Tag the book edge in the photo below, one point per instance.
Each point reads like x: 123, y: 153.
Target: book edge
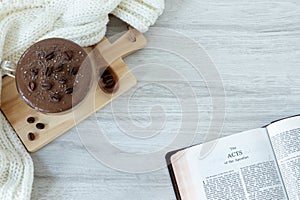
x: 171, y: 172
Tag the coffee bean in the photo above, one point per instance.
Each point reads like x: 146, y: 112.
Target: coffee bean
x: 62, y: 80
x: 69, y: 90
x: 68, y: 54
x: 30, y: 120
x: 55, y: 98
x: 107, y: 77
x: 46, y: 86
x: 74, y: 70
x: 31, y: 136
x: 50, y: 55
x: 109, y: 83
x: 34, y: 71
x: 40, y: 126
x: 31, y: 86
x: 59, y: 67
x: 48, y: 71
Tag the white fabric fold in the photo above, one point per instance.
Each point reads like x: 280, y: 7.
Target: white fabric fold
x: 24, y: 22
x: 16, y: 168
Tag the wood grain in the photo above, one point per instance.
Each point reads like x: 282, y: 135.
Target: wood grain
x: 256, y: 48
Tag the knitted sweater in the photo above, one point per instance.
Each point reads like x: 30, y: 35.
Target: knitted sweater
x: 24, y: 22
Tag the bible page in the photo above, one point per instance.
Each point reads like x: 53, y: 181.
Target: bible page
x: 285, y: 139
x: 241, y: 166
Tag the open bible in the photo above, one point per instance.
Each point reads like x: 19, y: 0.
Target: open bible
x: 258, y: 164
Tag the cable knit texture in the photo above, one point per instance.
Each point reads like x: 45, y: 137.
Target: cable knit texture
x: 16, y: 168
x: 24, y: 22
x: 139, y: 13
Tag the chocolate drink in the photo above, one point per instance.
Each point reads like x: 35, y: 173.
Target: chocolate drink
x: 54, y: 75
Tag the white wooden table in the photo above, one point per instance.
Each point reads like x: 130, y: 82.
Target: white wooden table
x: 256, y: 48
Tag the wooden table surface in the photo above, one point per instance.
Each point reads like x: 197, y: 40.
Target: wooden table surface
x: 255, y: 46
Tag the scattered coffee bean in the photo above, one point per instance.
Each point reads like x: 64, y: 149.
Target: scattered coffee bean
x: 59, y: 67
x: 55, y: 98
x: 69, y: 90
x: 31, y: 136
x: 109, y: 83
x: 40, y: 126
x: 62, y: 80
x: 48, y: 71
x: 30, y: 120
x: 34, y: 71
x: 74, y: 70
x: 31, y: 86
x: 49, y: 55
x: 46, y: 86
x: 68, y: 54
x: 108, y: 79
x: 107, y: 75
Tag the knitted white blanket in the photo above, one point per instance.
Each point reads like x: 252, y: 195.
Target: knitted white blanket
x: 24, y: 22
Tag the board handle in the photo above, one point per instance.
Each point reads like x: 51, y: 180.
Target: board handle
x: 127, y: 44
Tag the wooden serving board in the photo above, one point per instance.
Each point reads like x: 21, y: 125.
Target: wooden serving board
x: 17, y: 111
